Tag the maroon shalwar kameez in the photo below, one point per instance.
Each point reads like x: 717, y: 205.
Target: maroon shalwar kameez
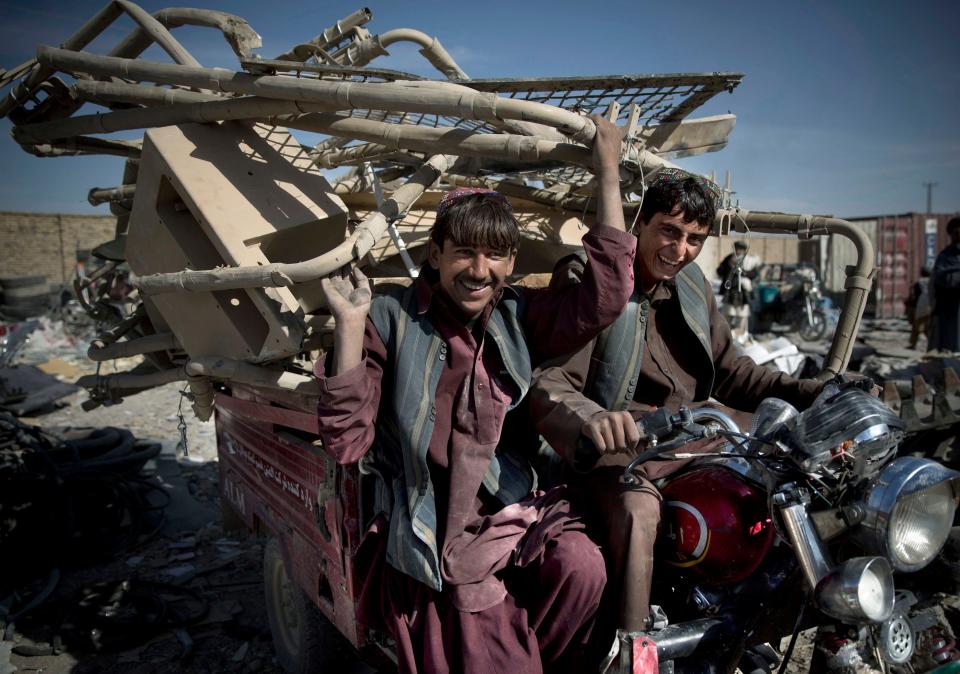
x: 522, y: 584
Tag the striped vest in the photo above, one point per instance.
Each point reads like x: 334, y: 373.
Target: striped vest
x: 417, y: 353
x: 618, y: 353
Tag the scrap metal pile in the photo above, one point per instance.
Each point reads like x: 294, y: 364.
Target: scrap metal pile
x: 226, y: 223
x: 71, y: 501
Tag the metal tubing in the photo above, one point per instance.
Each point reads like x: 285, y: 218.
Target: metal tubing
x: 109, y: 93
x: 356, y: 154
x: 328, y: 37
x: 713, y: 414
x: 237, y: 32
x: 432, y: 50
x: 405, y: 35
x: 158, y: 33
x: 813, y: 557
x: 253, y: 108
x: 126, y: 381
x: 81, y: 145
x: 859, y: 276
x: 562, y: 201
x: 102, y: 195
x: 398, y: 96
x: 203, y: 396
x: 229, y: 370
x: 330, y: 144
x: 115, y: 332
x: 279, y: 274
x: 100, y: 352
x: 453, y: 141
x: 684, y: 639
x: 39, y: 74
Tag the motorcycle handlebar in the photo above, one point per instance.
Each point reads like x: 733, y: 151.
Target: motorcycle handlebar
x: 660, y: 424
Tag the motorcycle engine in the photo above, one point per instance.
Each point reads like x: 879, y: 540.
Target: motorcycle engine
x: 845, y: 430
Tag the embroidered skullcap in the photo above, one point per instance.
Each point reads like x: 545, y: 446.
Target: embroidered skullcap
x: 670, y: 175
x: 454, y: 196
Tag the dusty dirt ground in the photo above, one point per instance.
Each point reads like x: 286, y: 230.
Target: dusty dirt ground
x: 191, y: 566
x: 200, y: 569
x: 194, y: 593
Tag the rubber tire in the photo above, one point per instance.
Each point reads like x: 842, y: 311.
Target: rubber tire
x: 22, y: 281
x: 27, y: 294
x: 811, y: 333
x: 301, y: 634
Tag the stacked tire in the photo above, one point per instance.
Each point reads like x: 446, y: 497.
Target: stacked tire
x: 24, y: 296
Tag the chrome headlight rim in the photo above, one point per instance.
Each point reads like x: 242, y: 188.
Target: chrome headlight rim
x: 860, y: 590
x: 902, y: 477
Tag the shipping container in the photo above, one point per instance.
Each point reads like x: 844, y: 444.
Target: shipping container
x: 904, y: 245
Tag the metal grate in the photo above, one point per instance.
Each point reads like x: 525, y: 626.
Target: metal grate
x: 661, y: 98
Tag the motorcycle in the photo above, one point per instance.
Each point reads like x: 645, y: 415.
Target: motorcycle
x: 800, y: 522
x: 799, y: 305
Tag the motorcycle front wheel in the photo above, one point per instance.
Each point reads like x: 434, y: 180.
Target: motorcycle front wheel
x: 813, y: 331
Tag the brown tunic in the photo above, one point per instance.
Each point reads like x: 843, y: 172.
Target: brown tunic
x: 627, y: 518
x: 673, y: 362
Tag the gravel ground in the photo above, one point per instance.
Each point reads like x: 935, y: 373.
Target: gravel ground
x: 150, y: 414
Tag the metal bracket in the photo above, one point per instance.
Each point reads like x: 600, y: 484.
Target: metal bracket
x: 412, y: 268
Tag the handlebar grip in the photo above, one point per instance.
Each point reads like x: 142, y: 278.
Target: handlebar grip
x: 586, y: 447
x: 658, y: 423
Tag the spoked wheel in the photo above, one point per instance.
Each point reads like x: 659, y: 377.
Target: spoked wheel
x: 813, y: 331
x: 301, y: 634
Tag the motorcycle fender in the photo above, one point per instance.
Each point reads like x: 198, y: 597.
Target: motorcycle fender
x: 645, y: 659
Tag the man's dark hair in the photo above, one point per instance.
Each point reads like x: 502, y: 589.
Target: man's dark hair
x: 954, y: 224
x: 674, y: 196
x: 478, y: 220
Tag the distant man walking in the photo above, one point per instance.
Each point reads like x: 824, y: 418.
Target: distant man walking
x: 737, y: 273
x: 946, y: 293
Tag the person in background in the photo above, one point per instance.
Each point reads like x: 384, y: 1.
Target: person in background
x: 737, y: 272
x: 945, y: 282
x: 919, y: 307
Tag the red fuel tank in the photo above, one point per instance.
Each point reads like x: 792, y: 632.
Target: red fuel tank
x: 715, y: 526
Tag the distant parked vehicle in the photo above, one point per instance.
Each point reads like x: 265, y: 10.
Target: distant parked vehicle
x: 791, y: 297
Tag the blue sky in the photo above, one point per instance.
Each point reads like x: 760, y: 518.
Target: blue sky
x: 846, y: 108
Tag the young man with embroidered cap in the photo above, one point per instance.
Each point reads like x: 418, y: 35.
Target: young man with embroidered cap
x: 482, y: 573
x: 670, y: 347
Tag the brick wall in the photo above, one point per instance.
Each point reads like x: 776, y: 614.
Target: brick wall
x: 47, y: 243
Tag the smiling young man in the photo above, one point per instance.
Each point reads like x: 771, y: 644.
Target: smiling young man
x: 670, y: 347
x: 482, y: 573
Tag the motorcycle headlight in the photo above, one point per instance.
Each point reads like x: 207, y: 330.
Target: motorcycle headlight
x: 909, y: 512
x: 859, y: 589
